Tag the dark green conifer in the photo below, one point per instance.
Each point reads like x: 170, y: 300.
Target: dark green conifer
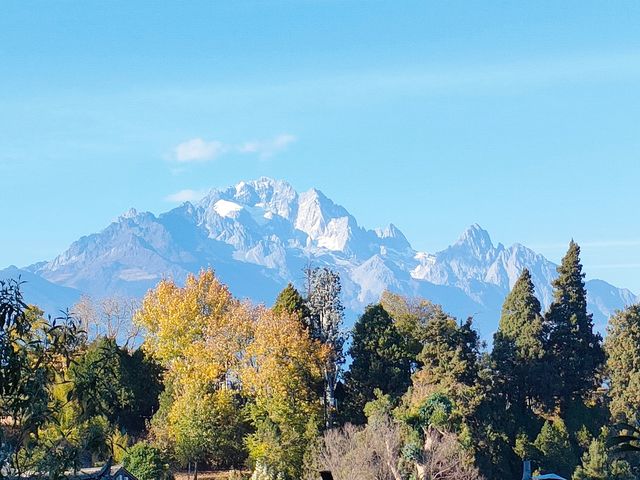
x: 575, y: 352
x: 557, y: 454
x: 519, y: 346
x: 290, y: 301
x: 379, y: 361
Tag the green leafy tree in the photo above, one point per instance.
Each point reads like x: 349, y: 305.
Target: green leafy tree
x: 34, y: 354
x: 575, y: 352
x: 622, y: 346
x: 379, y: 361
x: 411, y: 317
x: 120, y: 385
x: 97, y: 379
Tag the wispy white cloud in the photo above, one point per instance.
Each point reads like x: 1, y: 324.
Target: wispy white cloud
x: 268, y: 148
x: 186, y: 195
x: 200, y: 150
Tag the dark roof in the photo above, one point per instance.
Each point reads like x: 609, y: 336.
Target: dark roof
x: 107, y: 472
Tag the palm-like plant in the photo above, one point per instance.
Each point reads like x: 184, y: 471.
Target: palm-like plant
x: 628, y: 440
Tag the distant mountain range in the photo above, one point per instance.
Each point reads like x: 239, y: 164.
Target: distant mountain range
x: 260, y: 234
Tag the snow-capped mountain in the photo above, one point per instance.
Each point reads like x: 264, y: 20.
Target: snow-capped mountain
x: 258, y: 235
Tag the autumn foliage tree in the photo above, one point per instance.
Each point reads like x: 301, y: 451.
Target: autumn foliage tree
x: 281, y: 376
x: 199, y: 333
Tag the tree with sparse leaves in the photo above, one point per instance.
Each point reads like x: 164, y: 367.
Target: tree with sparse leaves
x: 326, y: 314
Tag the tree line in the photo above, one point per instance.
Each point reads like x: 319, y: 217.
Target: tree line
x: 409, y: 393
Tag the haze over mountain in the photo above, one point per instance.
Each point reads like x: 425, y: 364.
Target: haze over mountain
x: 260, y: 234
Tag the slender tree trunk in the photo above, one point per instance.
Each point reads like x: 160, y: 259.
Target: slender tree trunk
x: 329, y: 395
x: 195, y: 471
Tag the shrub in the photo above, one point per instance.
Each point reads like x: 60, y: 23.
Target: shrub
x: 146, y: 462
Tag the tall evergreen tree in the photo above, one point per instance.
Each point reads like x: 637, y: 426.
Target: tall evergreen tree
x: 290, y: 301
x: 575, y: 352
x: 519, y: 346
x: 623, y: 364
x: 380, y: 361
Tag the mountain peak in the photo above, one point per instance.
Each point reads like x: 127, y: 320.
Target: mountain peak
x: 131, y: 213
x: 392, y: 236
x: 476, y: 238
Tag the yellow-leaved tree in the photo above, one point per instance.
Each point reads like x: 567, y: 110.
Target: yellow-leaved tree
x: 283, y: 378
x: 199, y: 333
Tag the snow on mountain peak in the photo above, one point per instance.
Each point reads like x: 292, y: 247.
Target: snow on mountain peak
x: 225, y: 208
x: 275, y: 196
x: 315, y: 212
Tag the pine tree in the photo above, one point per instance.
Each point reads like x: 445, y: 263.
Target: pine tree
x: 380, y: 361
x: 597, y: 463
x: 519, y: 346
x: 450, y: 361
x: 623, y: 364
x: 554, y: 445
x: 575, y: 351
x: 290, y: 301
x: 450, y: 352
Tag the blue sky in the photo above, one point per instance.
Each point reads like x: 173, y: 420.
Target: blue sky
x: 521, y: 116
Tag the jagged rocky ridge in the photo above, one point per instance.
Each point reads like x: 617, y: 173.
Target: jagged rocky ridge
x: 259, y: 235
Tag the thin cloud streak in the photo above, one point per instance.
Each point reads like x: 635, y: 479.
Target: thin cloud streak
x: 586, y: 67
x: 200, y: 150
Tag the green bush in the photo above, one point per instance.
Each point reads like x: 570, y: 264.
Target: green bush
x: 146, y: 462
